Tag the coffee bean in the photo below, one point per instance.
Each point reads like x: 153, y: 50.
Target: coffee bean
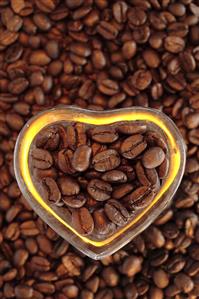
x: 122, y: 190
x: 48, y: 139
x: 114, y: 176
x: 101, y: 223
x: 18, y: 86
x: 174, y: 44
x: 76, y: 201
x: 23, y: 291
x: 153, y: 157
x: 141, y: 79
x: 147, y: 177
x: 120, y: 11
x: 129, y: 49
x: 52, y: 192
x: 133, y: 146
x: 107, y: 30
x: 108, y: 87
x: 116, y: 212
x: 40, y: 58
x: 83, y: 221
x: 99, y: 190
x: 42, y: 159
x: 131, y: 265
x: 68, y: 186
x: 81, y: 158
x: 130, y: 129
x: 139, y: 198
x: 64, y: 158
x: 103, y: 135
x: 106, y: 160
x: 184, y: 282
x: 151, y: 58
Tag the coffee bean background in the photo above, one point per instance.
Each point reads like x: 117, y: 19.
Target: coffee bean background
x: 99, y: 55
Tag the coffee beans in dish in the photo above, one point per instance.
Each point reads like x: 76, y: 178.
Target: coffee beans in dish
x: 103, y: 176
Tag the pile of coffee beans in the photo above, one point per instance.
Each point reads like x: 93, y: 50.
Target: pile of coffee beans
x: 103, y: 175
x: 99, y: 54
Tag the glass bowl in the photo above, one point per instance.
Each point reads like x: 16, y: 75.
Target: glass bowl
x: 93, y: 247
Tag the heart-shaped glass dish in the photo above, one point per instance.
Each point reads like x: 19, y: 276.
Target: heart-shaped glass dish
x: 92, y: 245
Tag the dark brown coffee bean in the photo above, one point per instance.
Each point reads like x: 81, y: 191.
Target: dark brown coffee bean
x: 106, y: 160
x: 129, y: 49
x: 151, y: 58
x: 98, y: 59
x: 131, y: 265
x: 133, y: 146
x: 101, y: 222
x: 161, y: 278
x: 153, y: 157
x: 52, y: 192
x: 40, y: 58
x: 18, y: 86
x: 184, y: 282
x: 103, y: 134
x: 122, y: 190
x: 23, y: 291
x: 136, y: 17
x: 130, y: 129
x: 163, y: 169
x: 107, y: 30
x: 83, y: 221
x: 120, y: 11
x: 76, y: 201
x: 42, y: 21
x: 139, y: 198
x: 147, y: 177
x: 141, y: 79
x: 99, y: 190
x: 108, y: 87
x: 116, y: 212
x: 48, y: 139
x: 114, y: 176
x: 81, y: 158
x: 42, y: 159
x: 64, y: 161
x: 174, y: 44
x: 68, y: 186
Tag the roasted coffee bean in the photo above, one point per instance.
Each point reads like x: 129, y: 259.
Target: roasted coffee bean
x: 122, y: 190
x: 101, y: 222
x: 103, y: 135
x: 48, y: 139
x: 42, y: 159
x: 133, y: 146
x: 174, y: 44
x: 107, y: 30
x: 114, y: 176
x: 147, y: 177
x: 99, y: 190
x: 130, y: 129
x: 76, y: 201
x: 81, y: 158
x: 116, y: 212
x: 83, y: 221
x: 106, y: 160
x: 52, y: 192
x: 139, y: 198
x: 68, y: 186
x: 153, y: 157
x: 108, y: 87
x: 64, y: 158
x: 141, y: 79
